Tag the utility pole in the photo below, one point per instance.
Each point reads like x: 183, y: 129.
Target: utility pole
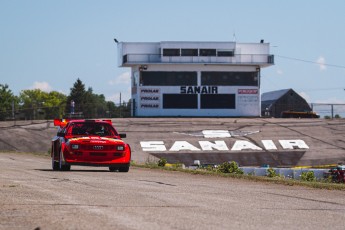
x: 120, y: 106
x: 13, y: 109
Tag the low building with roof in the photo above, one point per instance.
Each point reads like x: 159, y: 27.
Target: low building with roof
x: 275, y: 103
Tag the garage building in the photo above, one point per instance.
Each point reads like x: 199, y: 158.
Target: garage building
x: 195, y: 78
x: 274, y: 103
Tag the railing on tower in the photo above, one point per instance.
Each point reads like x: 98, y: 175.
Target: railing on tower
x: 236, y: 59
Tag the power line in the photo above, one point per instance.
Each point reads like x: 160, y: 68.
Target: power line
x: 312, y: 62
x: 322, y: 89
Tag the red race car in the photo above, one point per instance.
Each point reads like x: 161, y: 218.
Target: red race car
x: 90, y: 143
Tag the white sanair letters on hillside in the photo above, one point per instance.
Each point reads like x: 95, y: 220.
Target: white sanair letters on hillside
x: 159, y: 146
x: 216, y: 133
x: 217, y: 145
x: 153, y: 146
x: 293, y: 144
x: 269, y: 145
x: 183, y: 145
x: 239, y: 145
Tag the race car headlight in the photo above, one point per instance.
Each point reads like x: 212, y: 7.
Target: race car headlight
x: 75, y: 147
x: 120, y: 148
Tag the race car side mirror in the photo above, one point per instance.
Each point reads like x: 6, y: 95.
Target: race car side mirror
x: 122, y: 135
x: 61, y: 134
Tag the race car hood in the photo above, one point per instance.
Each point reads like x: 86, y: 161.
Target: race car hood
x: 95, y: 140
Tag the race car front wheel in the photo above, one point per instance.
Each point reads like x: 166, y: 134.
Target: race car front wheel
x: 62, y: 165
x: 55, y: 164
x: 124, y: 168
x: 120, y: 168
x: 113, y: 168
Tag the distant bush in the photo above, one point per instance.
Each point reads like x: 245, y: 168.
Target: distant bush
x: 337, y: 116
x: 271, y: 173
x: 229, y: 167
x: 327, y: 117
x: 162, y: 162
x: 308, y: 176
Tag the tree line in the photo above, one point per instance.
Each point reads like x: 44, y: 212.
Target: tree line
x: 36, y: 104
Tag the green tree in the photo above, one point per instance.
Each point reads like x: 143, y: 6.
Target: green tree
x: 126, y: 112
x: 7, y: 100
x: 55, y: 104
x: 77, y: 94
x: 111, y: 109
x: 101, y: 105
x: 94, y: 105
x: 89, y: 104
x: 123, y: 109
x: 32, y: 101
x: 37, y: 104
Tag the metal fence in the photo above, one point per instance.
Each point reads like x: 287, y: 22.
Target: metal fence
x: 48, y: 113
x: 324, y: 110
x: 329, y: 110
x: 94, y: 111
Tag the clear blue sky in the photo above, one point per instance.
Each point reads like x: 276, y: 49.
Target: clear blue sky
x: 49, y: 44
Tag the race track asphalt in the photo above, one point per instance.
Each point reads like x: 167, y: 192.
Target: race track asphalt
x: 32, y: 196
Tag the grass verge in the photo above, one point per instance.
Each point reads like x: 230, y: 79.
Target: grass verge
x: 262, y: 179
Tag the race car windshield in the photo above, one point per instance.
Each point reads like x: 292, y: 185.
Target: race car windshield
x: 91, y: 129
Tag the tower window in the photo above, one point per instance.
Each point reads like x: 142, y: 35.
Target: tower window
x: 171, y: 52
x: 189, y: 52
x: 225, y: 53
x: 208, y: 52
